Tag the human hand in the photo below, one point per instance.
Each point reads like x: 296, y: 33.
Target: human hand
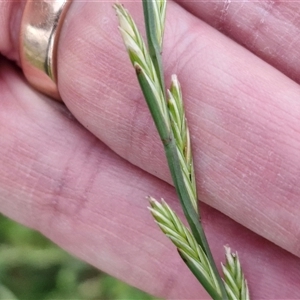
x: 61, y: 178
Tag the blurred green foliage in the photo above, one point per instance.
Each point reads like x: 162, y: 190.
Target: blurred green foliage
x: 33, y: 268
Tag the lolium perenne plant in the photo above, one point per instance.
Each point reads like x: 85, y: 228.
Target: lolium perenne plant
x: 166, y: 107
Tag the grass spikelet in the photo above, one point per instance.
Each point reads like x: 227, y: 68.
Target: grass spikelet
x: 182, y: 136
x: 185, y: 242
x: 142, y: 61
x: 234, y: 280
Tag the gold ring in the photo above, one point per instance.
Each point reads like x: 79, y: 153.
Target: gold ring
x: 40, y: 27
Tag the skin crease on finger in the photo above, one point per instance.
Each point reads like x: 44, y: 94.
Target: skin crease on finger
x: 31, y: 210
x: 58, y: 178
x: 243, y: 113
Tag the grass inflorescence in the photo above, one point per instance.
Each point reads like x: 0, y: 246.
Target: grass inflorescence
x: 167, y: 110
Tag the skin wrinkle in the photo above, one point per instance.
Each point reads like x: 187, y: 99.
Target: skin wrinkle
x: 69, y: 175
x: 51, y: 190
x: 60, y: 192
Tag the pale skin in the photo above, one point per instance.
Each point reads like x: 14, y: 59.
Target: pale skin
x: 60, y: 172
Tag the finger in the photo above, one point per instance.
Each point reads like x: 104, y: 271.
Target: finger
x: 59, y: 179
x: 270, y: 29
x: 243, y: 119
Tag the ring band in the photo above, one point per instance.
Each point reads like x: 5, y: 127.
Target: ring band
x: 40, y: 27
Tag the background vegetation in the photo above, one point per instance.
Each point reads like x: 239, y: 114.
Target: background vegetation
x: 33, y: 268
